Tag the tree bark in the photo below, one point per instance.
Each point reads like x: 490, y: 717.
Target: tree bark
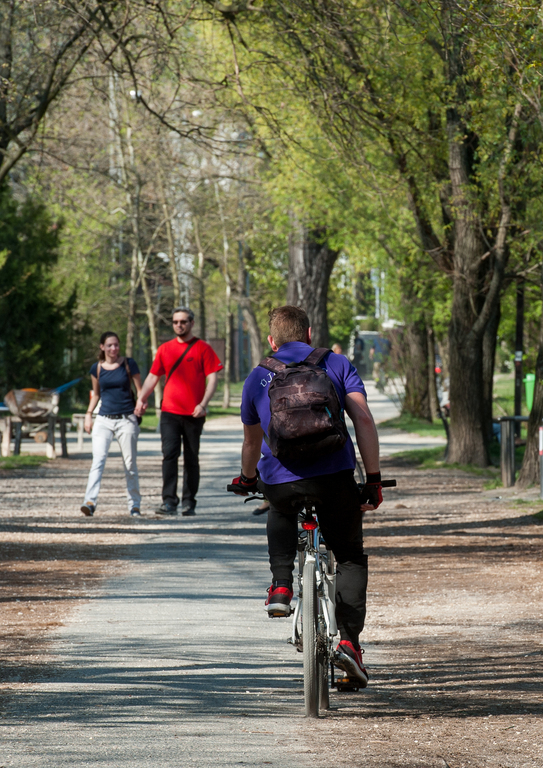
x: 200, y: 282
x: 228, y: 308
x: 417, y: 397
x: 489, y: 358
x: 245, y: 303
x: 529, y: 472
x: 432, y: 384
x: 311, y: 261
x: 171, y: 244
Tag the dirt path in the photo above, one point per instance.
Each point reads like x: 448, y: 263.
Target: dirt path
x: 453, y: 639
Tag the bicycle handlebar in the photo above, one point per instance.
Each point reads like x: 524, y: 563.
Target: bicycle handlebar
x: 239, y: 492
x: 388, y: 483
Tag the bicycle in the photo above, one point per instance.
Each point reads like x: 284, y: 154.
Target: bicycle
x: 314, y: 626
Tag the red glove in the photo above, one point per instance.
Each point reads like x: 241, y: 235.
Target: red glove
x: 243, y: 486
x: 372, y: 491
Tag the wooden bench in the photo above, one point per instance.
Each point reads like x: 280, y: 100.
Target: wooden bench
x: 9, y: 423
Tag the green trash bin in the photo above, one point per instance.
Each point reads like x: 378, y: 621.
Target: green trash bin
x: 529, y: 383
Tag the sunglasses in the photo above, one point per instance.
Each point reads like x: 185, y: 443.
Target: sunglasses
x: 181, y: 322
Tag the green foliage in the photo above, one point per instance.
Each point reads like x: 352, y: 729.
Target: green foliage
x: 36, y: 326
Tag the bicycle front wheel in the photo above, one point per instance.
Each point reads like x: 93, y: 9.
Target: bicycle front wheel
x: 322, y: 670
x: 309, y: 633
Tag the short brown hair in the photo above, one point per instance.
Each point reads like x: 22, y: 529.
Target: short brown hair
x: 288, y: 324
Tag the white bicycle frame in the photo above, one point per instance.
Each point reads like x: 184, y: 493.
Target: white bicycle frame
x: 326, y: 590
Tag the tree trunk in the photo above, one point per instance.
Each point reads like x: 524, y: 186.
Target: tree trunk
x: 131, y: 320
x: 529, y: 471
x: 478, y: 273
x: 171, y: 247
x: 468, y: 444
x: 244, y: 301
x: 432, y: 384
x: 417, y: 397
x: 228, y: 295
x: 151, y: 320
x: 311, y: 261
x: 201, y: 284
x: 489, y: 357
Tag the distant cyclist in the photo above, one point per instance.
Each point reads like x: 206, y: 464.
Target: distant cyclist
x: 328, y: 478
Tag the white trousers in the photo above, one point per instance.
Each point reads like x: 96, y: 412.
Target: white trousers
x: 125, y: 431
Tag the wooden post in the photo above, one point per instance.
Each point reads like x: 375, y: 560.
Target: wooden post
x: 50, y: 444
x: 5, y: 426
x: 18, y: 437
x: 63, y: 443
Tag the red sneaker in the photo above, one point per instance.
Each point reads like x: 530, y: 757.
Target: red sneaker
x: 278, y: 602
x: 349, y: 659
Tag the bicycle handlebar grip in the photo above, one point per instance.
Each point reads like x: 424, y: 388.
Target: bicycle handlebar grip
x: 388, y: 483
x: 237, y: 490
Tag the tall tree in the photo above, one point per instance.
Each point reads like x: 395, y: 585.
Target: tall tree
x: 36, y: 326
x: 429, y: 93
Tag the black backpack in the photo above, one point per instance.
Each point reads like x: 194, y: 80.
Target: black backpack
x: 307, y: 421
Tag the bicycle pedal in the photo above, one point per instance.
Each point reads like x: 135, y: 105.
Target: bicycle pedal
x: 279, y: 615
x: 347, y: 684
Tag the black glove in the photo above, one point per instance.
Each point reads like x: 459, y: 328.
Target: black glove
x: 372, y: 491
x: 243, y: 486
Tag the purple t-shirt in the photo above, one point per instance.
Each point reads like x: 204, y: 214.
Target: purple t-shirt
x: 255, y: 409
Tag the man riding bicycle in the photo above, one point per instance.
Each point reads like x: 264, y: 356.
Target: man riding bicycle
x: 329, y: 479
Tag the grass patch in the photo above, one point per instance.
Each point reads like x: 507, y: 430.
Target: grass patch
x: 21, y: 462
x: 432, y: 458
x: 538, y: 515
x: 422, y: 457
x: 417, y: 426
x: 236, y: 388
x: 214, y: 411
x: 491, y: 485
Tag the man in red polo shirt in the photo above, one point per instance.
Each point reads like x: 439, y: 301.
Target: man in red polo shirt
x: 186, y: 362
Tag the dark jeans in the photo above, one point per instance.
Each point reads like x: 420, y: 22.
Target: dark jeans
x: 172, y: 428
x: 338, y: 508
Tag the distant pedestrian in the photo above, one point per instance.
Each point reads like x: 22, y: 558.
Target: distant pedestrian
x: 112, y: 378
x: 359, y: 361
x: 188, y: 363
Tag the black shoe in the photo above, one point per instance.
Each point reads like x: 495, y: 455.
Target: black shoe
x: 88, y: 509
x: 134, y: 512
x: 166, y: 509
x: 261, y: 510
x: 188, y: 510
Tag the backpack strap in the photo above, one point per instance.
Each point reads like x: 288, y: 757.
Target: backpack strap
x: 272, y: 364
x: 276, y: 366
x: 316, y: 355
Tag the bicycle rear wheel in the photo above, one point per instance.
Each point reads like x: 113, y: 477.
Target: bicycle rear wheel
x: 309, y: 633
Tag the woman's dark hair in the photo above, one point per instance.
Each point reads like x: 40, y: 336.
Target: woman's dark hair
x: 103, y: 337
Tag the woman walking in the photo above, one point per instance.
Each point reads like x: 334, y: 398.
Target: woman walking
x: 112, y: 377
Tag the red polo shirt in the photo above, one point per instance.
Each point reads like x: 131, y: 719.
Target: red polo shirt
x: 186, y: 386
